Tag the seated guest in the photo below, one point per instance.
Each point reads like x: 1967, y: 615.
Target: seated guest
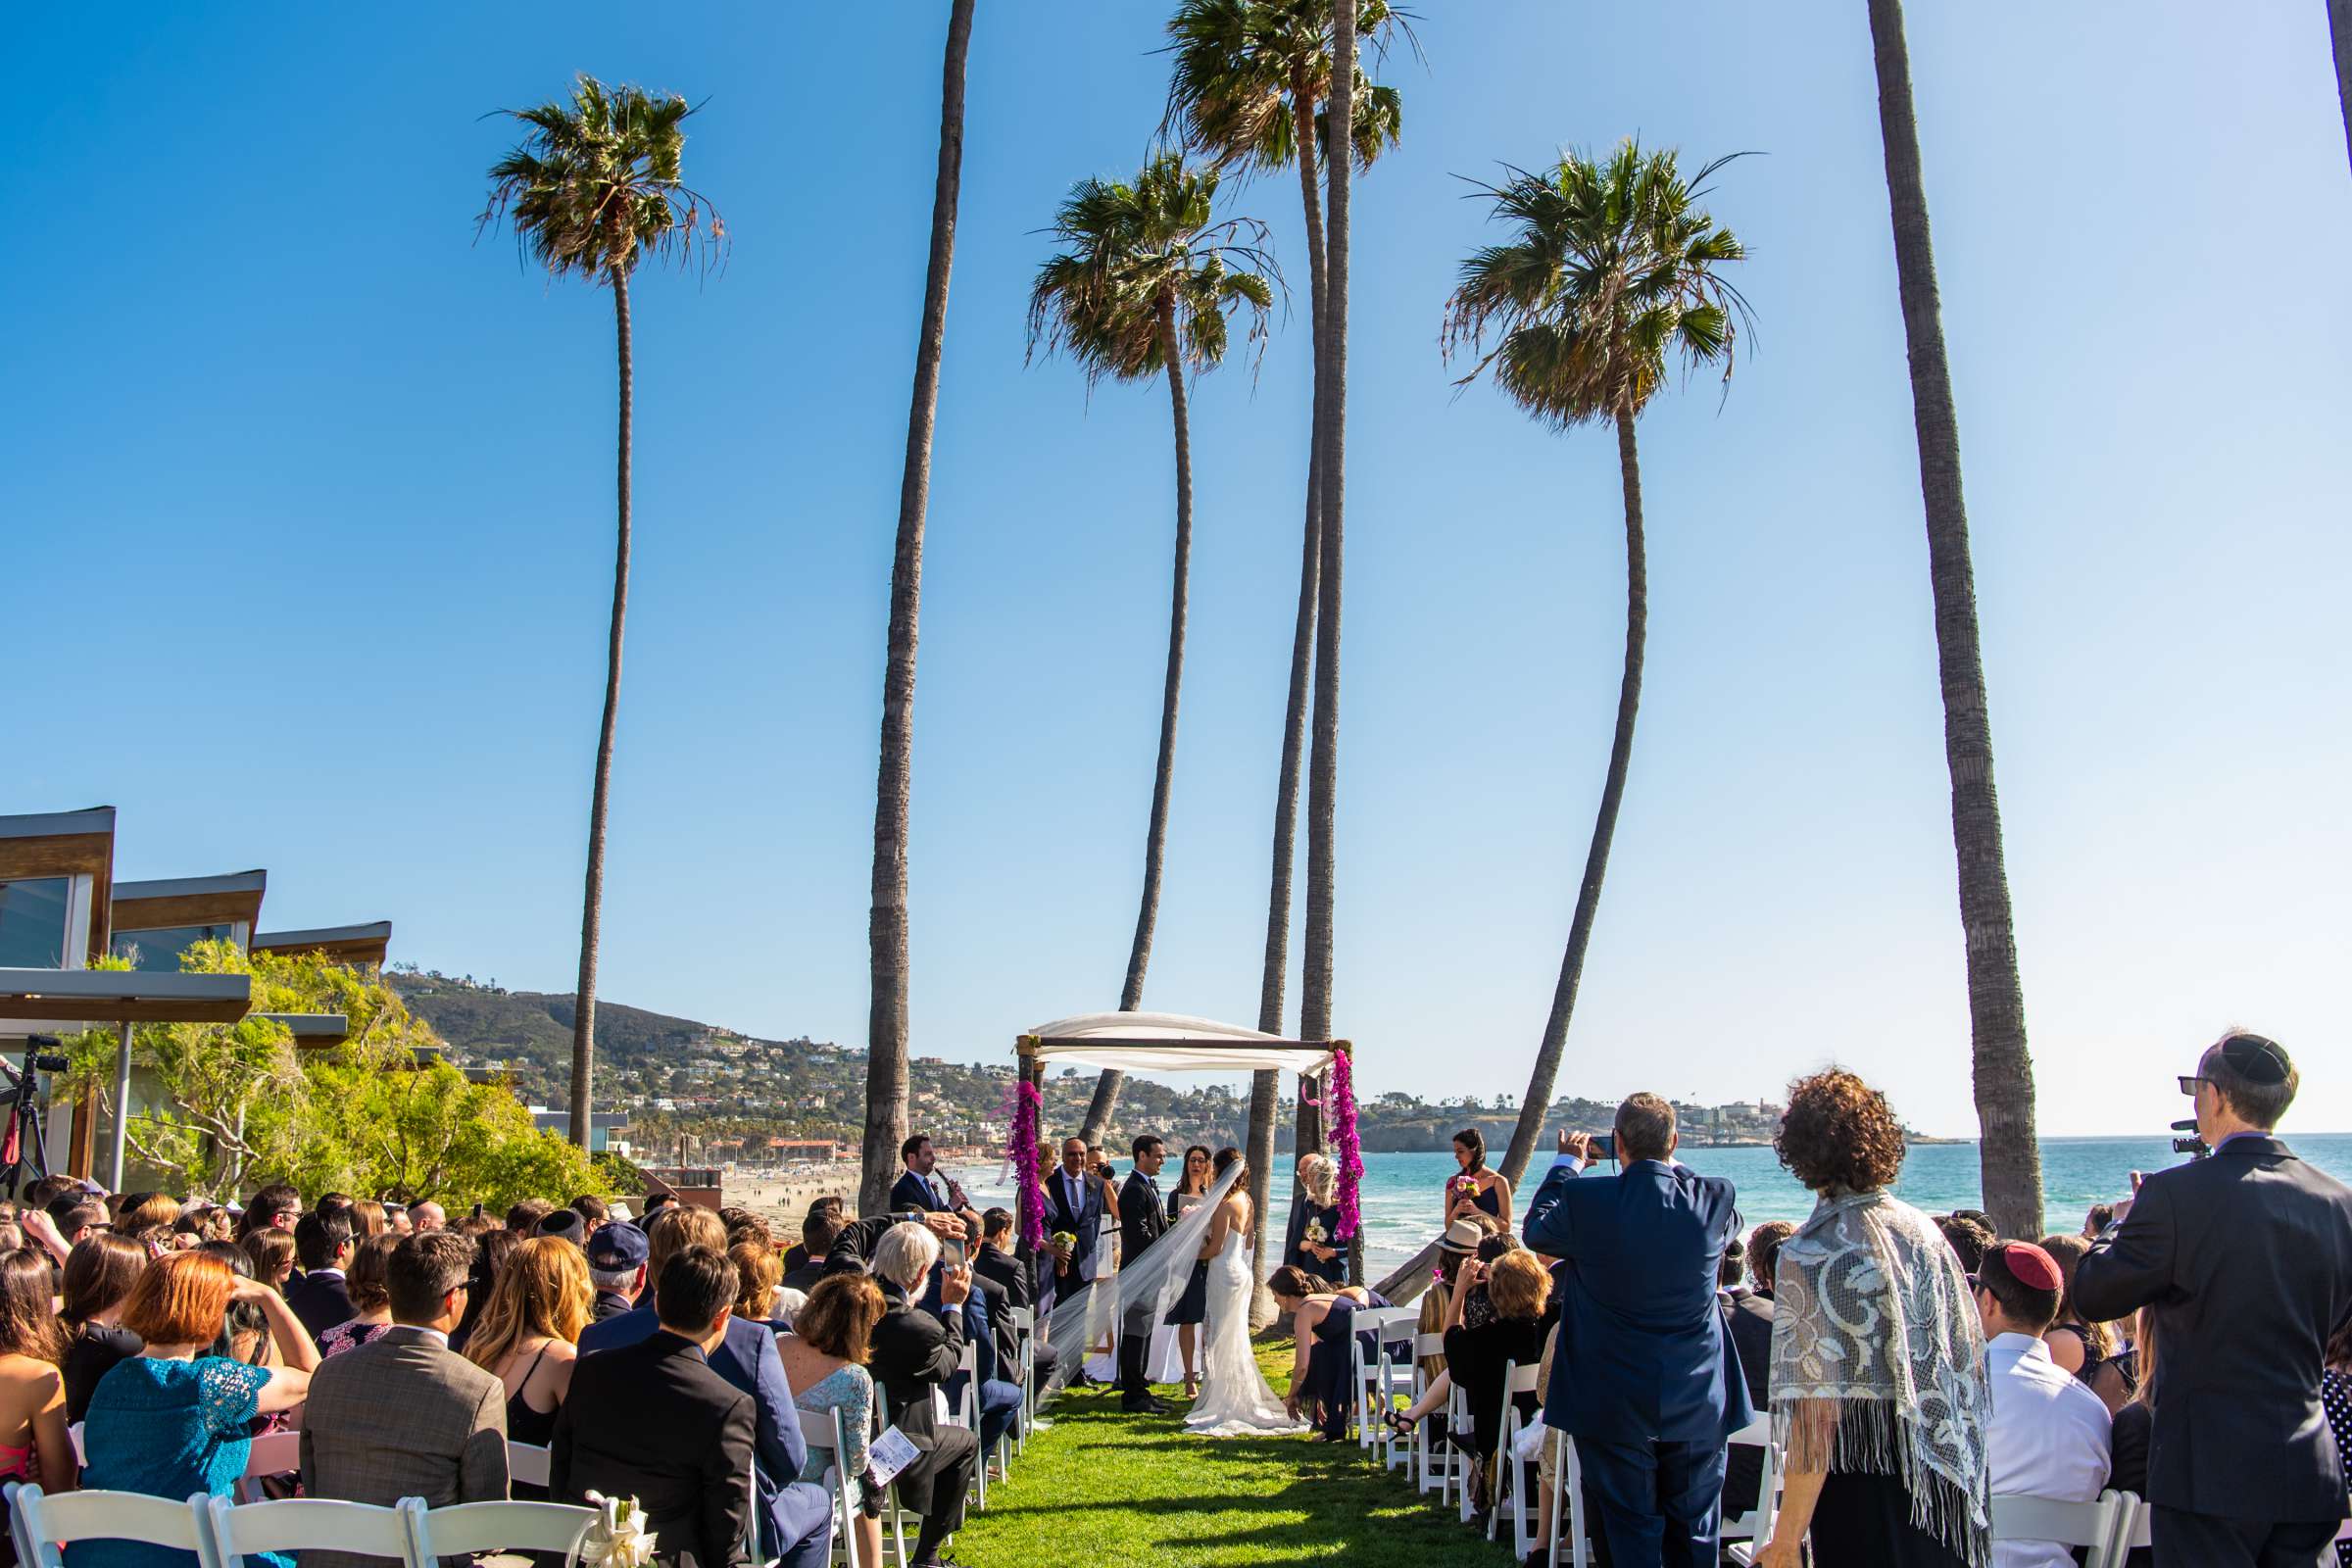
x: 1763, y: 1252
x: 175, y: 1420
x: 368, y: 1218
x: 523, y: 1218
x: 826, y: 1356
x: 805, y: 1262
x: 913, y: 1354
x: 2049, y: 1434
x: 651, y: 1420
x: 594, y: 1214
x: 2134, y: 1424
x: 1748, y: 1319
x: 528, y: 1336
x: 855, y: 1241
x: 1968, y: 1236
x: 1312, y: 1244
x: 493, y: 1244
x: 1009, y: 1277
x: 2089, y: 1350
x: 617, y: 1256
x: 274, y: 1207
x: 987, y: 1323
x: 77, y: 1220
x: 794, y: 1514
x: 1476, y: 1357
x: 428, y: 1216
x: 756, y: 1276
x: 370, y: 1298
x: 1322, y: 1333
x: 405, y: 1416
x: 271, y: 1252
x: 33, y: 1443
x: 564, y: 1225
x: 99, y: 1276
x: 320, y: 1297
x: 145, y: 1210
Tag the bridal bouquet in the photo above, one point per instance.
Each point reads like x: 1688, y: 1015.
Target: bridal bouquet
x: 618, y: 1539
x: 1464, y: 1187
x: 1064, y: 1238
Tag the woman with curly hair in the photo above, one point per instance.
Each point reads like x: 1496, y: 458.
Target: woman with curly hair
x: 1878, y: 1393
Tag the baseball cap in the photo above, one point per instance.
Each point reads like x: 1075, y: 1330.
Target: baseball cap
x: 617, y: 1246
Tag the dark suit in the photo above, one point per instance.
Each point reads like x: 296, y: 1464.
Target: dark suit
x: 796, y: 1516
x: 914, y: 1353
x: 854, y: 1243
x: 2246, y: 1257
x: 1645, y: 1378
x: 652, y: 1421
x: 1009, y: 1279
x: 321, y: 1302
x: 1143, y: 1220
x: 1748, y: 1318
x: 1083, y: 1220
x: 914, y: 1192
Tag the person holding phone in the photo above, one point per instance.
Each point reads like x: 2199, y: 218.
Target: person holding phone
x: 913, y: 1354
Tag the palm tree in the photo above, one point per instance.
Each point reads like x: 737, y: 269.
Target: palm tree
x: 1613, y: 271
x: 2339, y: 38
x: 1148, y: 284
x: 1245, y: 91
x: 886, y: 925
x: 593, y: 188
x: 2010, y: 1155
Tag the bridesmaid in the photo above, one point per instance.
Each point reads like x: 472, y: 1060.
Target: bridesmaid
x: 1474, y: 1189
x: 1192, y: 1307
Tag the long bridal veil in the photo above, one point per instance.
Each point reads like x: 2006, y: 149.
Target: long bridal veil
x: 1156, y: 1279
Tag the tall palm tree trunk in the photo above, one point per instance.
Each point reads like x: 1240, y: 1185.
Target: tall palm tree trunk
x: 1265, y: 1087
x: 2010, y: 1155
x: 2339, y: 34
x: 592, y: 913
x: 1534, y: 1110
x: 886, y: 926
x: 1155, y: 836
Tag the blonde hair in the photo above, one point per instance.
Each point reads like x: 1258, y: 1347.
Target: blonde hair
x: 1320, y: 1177
x: 1436, y: 1303
x: 1517, y: 1284
x: 755, y: 1274
x: 542, y: 1289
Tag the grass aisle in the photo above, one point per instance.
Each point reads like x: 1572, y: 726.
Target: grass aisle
x: 1103, y: 1486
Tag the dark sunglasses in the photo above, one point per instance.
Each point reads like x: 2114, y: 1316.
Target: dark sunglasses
x: 2189, y: 1082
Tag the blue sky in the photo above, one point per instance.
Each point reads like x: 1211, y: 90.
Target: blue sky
x: 307, y: 515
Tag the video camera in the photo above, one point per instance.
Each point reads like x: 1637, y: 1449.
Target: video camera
x: 2192, y: 1145
x: 36, y: 1061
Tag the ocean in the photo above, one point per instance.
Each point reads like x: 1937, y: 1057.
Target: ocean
x: 1402, y: 1202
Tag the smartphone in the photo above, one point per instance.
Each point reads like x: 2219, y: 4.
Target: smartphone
x: 1604, y: 1146
x: 950, y: 1254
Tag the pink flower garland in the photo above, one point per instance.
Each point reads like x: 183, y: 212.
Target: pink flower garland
x: 1021, y: 1152
x: 1346, y: 1142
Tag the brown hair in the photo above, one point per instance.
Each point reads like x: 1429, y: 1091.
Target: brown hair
x: 1644, y: 1128
x: 2066, y: 1251
x: 1292, y: 1281
x: 181, y: 1299
x: 272, y: 1253
x: 100, y: 1272
x: 1518, y: 1285
x: 1840, y: 1133
x: 142, y: 1209
x: 543, y: 1290
x: 26, y: 1325
x: 677, y: 1227
x: 840, y: 1316
x: 1764, y: 1249
x: 367, y: 1217
x: 755, y: 1274
x: 366, y: 1280
x: 524, y: 1217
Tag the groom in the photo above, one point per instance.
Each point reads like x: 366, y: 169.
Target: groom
x: 1143, y: 1220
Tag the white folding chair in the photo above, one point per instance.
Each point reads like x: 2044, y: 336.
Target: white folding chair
x: 966, y: 1415
x: 2101, y: 1526
x: 1369, y: 1389
x: 1568, y: 1503
x: 1457, y: 1429
x: 837, y: 1497
x: 466, y: 1528
x: 1756, y: 1525
x: 304, y: 1524
x: 1434, y: 1465
x: 272, y: 1453
x: 45, y: 1524
x: 1516, y: 1380
x: 526, y: 1464
x: 1393, y: 1374
x: 1024, y: 1332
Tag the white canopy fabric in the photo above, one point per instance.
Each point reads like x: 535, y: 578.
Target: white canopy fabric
x: 1170, y: 1041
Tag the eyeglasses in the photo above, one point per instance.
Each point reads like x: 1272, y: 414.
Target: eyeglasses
x: 2189, y: 1082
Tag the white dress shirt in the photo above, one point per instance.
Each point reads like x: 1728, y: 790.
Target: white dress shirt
x: 2049, y: 1438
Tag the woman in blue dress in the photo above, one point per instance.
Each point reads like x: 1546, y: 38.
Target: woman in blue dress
x: 1475, y: 1189
x: 174, y: 1420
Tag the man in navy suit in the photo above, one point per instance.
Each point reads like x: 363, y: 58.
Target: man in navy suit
x: 1643, y: 1379
x: 1073, y: 1207
x: 796, y: 1517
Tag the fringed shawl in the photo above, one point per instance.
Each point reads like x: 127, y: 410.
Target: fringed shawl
x: 1878, y: 1362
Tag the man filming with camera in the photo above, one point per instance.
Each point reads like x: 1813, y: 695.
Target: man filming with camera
x: 2245, y: 1255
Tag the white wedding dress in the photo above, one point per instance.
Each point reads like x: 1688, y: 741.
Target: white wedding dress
x: 1236, y: 1400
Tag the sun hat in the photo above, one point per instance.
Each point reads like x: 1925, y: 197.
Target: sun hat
x: 1462, y: 1237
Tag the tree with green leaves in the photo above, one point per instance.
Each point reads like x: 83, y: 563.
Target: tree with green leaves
x: 1612, y: 274
x: 596, y: 186
x: 2010, y: 1152
x: 1248, y: 90
x: 894, y: 793
x: 1148, y: 285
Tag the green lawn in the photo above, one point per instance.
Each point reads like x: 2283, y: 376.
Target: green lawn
x: 1106, y: 1488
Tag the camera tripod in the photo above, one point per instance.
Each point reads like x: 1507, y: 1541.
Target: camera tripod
x: 23, y: 1152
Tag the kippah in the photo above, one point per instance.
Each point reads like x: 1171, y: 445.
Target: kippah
x: 2033, y: 1267
x: 2256, y: 1059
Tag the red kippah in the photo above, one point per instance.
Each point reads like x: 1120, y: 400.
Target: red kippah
x: 2034, y: 1268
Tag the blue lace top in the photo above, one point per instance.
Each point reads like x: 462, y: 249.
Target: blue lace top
x: 169, y: 1429
x: 850, y: 1391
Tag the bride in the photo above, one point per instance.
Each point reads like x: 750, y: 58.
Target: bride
x: 1235, y: 1396
x: 1235, y: 1399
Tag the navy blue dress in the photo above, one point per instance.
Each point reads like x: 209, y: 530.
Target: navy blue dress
x: 1329, y: 1365
x: 1192, y: 1305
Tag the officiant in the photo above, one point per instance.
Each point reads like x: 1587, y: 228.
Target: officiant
x: 1311, y: 1244
x: 1143, y: 1220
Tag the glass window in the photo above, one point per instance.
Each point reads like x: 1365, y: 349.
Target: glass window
x: 32, y: 922
x: 156, y: 951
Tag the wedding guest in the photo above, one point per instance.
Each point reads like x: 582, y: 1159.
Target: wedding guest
x: 1747, y: 1320
x: 826, y: 1356
x: 2134, y: 1424
x: 1312, y: 1243
x: 1476, y: 1357
x: 1968, y: 1236
x: 1076, y: 1199
x: 756, y: 1277
x: 1322, y: 1333
x: 75, y: 1221
x: 367, y: 1219
x: 320, y: 1297
x: 805, y: 1262
x: 593, y: 1210
x: 1877, y: 1374
x: 914, y: 1353
x: 922, y: 1184
x: 428, y: 1216
x: 405, y: 1416
x: 1009, y: 1277
x: 2049, y: 1434
x: 1764, y: 1251
x: 272, y: 1251
x: 99, y: 1277
x: 564, y: 1225
x: 33, y: 1443
x: 2335, y: 1399
x: 175, y: 1420
x: 524, y: 1215
x: 274, y: 1207
x: 528, y: 1335
x: 493, y: 1244
x: 1474, y: 1189
x: 616, y: 1257
x: 145, y: 1210
x: 370, y: 1299
x: 2246, y: 1256
x: 1192, y: 1306
x: 2091, y: 1352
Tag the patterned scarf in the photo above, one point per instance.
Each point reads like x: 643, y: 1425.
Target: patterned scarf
x: 1872, y: 1318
